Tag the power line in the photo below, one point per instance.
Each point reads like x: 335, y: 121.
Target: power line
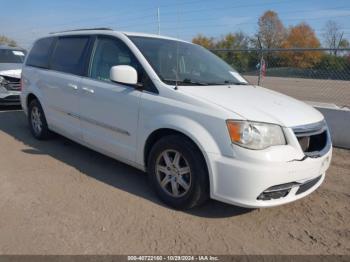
x: 215, y: 18
x: 100, y: 20
x: 244, y: 23
x: 185, y: 28
x: 166, y: 14
x: 117, y: 14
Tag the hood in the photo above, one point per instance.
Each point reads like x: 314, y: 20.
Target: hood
x: 257, y: 104
x: 15, y: 72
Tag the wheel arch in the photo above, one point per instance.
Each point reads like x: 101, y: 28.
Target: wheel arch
x: 156, y: 135
x: 30, y: 98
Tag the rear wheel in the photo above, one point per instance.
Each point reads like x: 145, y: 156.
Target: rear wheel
x: 178, y: 172
x: 37, y: 121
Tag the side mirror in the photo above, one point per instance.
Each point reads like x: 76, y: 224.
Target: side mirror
x: 123, y: 74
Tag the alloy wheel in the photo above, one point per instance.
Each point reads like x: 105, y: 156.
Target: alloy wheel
x: 36, y: 120
x: 173, y: 173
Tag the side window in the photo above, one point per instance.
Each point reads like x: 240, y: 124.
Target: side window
x: 70, y: 55
x: 39, y: 55
x: 108, y: 53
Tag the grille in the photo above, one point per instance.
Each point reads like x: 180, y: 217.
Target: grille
x: 12, y: 83
x: 10, y: 100
x: 281, y: 191
x: 314, y: 139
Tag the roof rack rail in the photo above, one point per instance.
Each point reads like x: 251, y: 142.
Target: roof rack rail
x: 83, y: 29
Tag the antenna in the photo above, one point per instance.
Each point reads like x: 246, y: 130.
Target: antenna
x: 158, y: 19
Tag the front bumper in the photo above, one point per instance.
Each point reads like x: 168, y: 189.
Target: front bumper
x: 10, y: 98
x: 242, y: 182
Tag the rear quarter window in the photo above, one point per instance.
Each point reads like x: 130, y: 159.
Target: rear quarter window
x: 40, y: 54
x: 70, y: 54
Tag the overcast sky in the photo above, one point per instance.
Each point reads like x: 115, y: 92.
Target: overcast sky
x: 26, y: 20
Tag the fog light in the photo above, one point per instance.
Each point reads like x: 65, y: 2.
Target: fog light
x: 276, y: 192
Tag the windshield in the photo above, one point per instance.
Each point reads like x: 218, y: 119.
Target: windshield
x: 11, y: 56
x: 185, y: 63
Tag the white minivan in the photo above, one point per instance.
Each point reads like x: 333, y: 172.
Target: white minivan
x: 179, y: 112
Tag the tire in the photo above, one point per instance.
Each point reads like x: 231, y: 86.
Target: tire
x: 183, y: 174
x: 37, y: 121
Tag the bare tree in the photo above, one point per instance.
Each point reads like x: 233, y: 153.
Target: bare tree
x: 332, y: 35
x: 271, y: 31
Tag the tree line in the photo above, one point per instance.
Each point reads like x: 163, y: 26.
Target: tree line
x: 272, y: 34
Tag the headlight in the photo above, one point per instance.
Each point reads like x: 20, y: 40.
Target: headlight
x: 2, y: 85
x: 255, y: 135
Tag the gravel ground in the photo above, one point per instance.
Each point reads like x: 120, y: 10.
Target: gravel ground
x: 57, y: 197
x: 316, y: 90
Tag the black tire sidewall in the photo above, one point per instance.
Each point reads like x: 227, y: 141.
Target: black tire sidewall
x: 198, y: 191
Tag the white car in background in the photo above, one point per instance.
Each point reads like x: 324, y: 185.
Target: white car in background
x: 177, y: 111
x: 11, y: 60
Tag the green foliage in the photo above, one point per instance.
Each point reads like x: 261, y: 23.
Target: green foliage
x: 332, y: 66
x: 241, y: 61
x: 335, y: 65
x: 332, y: 62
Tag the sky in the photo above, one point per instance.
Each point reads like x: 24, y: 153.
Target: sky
x: 26, y: 20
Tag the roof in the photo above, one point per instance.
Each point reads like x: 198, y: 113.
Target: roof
x: 152, y: 36
x: 111, y: 32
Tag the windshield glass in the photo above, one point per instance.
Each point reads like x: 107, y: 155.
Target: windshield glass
x: 186, y: 63
x: 11, y: 56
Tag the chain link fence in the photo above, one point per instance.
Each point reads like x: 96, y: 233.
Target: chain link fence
x: 316, y: 75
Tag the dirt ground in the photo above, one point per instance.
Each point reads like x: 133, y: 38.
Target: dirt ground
x: 57, y: 197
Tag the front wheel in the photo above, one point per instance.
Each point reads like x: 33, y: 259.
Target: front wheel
x: 37, y: 121
x: 178, y: 172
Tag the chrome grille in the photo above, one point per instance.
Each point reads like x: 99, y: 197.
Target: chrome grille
x: 12, y: 83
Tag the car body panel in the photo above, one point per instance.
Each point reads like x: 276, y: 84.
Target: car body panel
x: 7, y: 96
x: 117, y: 120
x: 259, y: 104
x: 13, y: 72
x: 111, y: 125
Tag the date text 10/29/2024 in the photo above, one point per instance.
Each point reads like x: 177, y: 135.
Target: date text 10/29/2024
x: 173, y: 258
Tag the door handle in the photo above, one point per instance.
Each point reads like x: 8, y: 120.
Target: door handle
x: 89, y: 90
x: 75, y: 87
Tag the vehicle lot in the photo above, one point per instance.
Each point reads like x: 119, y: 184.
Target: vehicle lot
x: 57, y: 197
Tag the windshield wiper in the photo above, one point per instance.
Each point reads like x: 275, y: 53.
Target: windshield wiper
x: 189, y: 81
x: 239, y: 83
x: 186, y: 81
x: 235, y: 83
x: 226, y: 82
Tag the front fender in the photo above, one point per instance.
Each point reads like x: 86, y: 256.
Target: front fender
x: 194, y: 130
x: 189, y: 127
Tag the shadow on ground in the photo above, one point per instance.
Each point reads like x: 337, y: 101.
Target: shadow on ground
x: 102, y: 168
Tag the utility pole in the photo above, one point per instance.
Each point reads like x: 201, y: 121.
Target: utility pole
x: 158, y: 19
x: 261, y: 62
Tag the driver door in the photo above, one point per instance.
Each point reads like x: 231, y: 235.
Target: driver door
x: 109, y: 111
